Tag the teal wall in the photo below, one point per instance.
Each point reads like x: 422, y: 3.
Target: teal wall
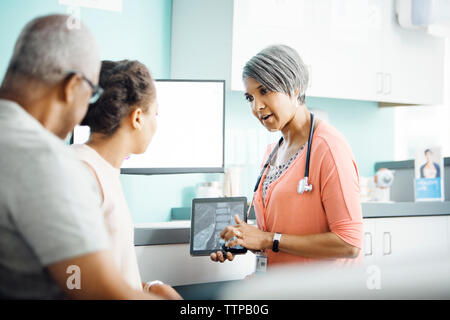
x: 142, y: 31
x: 368, y: 129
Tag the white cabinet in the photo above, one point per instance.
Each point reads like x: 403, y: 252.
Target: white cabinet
x: 355, y: 49
x: 260, y: 23
x: 406, y: 239
x: 448, y: 234
x: 412, y: 63
x: 347, y: 48
x: 368, y: 242
x: 172, y: 264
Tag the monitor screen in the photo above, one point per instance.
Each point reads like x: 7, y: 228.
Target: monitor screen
x: 190, y: 133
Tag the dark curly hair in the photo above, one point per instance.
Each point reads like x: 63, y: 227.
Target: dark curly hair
x: 126, y: 84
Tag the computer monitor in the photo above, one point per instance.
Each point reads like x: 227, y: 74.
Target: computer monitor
x: 190, y: 133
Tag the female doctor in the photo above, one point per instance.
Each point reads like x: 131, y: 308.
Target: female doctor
x: 299, y: 220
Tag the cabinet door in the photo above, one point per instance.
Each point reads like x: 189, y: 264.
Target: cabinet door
x: 354, y: 49
x: 176, y: 267
x: 413, y: 64
x: 448, y: 236
x: 260, y: 23
x: 369, y: 241
x: 346, y: 48
x: 411, y: 239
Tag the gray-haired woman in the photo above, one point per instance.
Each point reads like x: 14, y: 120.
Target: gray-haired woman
x: 297, y: 226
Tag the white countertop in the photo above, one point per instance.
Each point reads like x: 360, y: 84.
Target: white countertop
x: 174, y: 224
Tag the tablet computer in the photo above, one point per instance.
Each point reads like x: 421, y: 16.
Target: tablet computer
x: 209, y: 216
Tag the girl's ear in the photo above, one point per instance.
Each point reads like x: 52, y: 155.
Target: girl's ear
x: 136, y: 119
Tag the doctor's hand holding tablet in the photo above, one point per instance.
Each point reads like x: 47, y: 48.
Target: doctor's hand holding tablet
x: 254, y: 239
x: 306, y: 199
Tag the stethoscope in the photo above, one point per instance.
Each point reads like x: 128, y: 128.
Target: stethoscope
x: 303, y: 185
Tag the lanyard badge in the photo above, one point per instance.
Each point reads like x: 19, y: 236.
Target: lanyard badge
x: 261, y: 262
x: 261, y: 257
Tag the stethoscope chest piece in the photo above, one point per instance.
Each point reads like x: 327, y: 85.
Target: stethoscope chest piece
x: 304, y: 186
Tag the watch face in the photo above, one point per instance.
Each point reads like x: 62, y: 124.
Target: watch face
x: 276, y: 241
x: 275, y: 246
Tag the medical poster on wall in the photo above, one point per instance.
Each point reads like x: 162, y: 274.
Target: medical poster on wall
x: 429, y: 171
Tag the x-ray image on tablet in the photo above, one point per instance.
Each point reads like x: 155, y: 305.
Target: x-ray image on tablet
x: 209, y: 217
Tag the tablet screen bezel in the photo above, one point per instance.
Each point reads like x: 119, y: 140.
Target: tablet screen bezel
x: 209, y: 200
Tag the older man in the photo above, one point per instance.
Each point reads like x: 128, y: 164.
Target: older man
x: 52, y: 235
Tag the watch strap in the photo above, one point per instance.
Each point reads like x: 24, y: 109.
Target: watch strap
x: 276, y: 242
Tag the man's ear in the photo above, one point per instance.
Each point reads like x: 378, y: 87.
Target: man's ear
x: 70, y: 88
x: 136, y: 119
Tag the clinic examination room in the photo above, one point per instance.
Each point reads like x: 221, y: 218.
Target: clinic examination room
x: 219, y: 150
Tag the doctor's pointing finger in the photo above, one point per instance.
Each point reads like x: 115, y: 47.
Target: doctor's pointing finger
x: 245, y: 235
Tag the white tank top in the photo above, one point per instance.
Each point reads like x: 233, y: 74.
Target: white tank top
x: 116, y: 213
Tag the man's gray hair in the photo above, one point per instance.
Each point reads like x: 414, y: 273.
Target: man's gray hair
x: 279, y: 68
x: 47, y: 49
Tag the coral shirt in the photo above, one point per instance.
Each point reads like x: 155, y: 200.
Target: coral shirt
x: 332, y: 205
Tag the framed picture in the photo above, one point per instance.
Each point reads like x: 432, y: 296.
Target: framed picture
x: 429, y: 171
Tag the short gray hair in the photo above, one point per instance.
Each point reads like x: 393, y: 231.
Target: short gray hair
x: 47, y: 49
x: 279, y: 68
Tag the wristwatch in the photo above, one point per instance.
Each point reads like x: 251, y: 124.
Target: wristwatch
x: 276, y: 242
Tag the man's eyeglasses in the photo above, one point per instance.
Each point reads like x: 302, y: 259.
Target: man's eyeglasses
x: 97, y: 91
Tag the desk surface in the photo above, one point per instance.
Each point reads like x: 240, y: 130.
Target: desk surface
x: 178, y: 231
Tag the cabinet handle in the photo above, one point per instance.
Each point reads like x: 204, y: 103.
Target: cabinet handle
x: 388, y: 82
x: 368, y: 238
x: 387, y: 240
x: 379, y: 82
